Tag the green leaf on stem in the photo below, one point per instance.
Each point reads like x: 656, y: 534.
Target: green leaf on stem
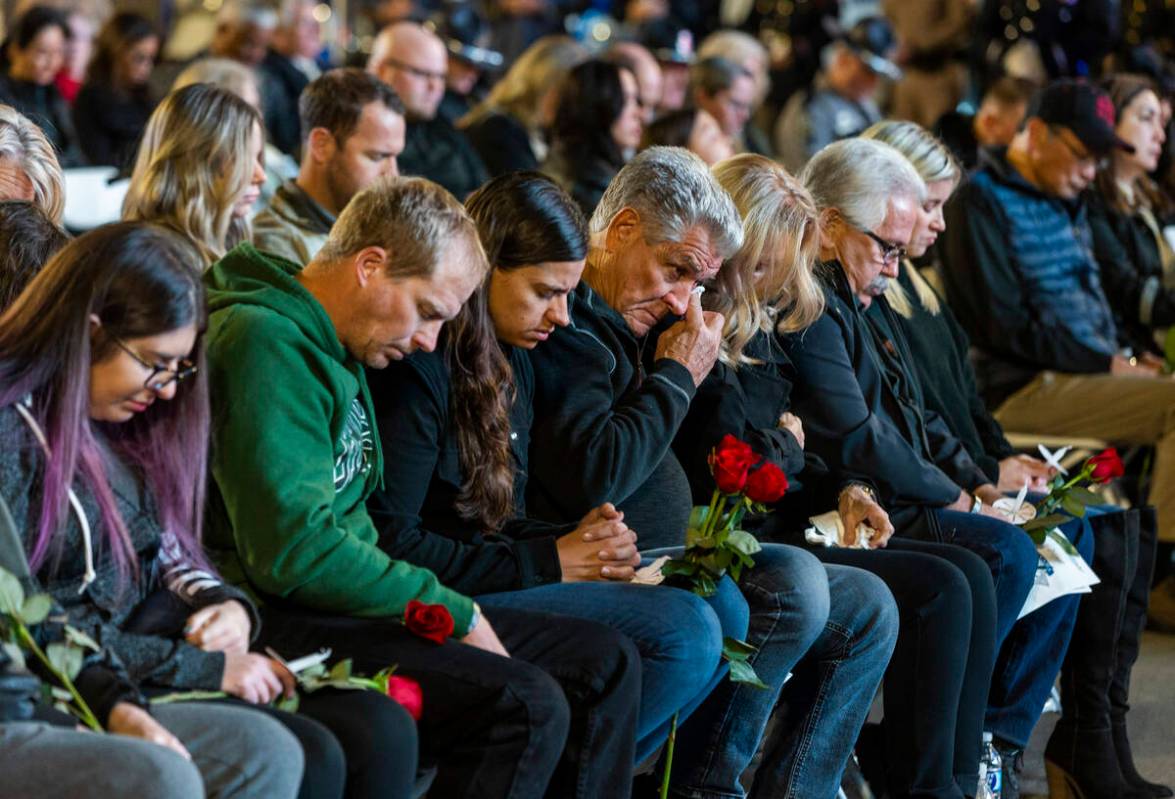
x: 76, y: 636
x: 289, y: 704
x: 35, y: 609
x: 187, y: 696
x: 743, y: 672
x: 66, y: 660
x: 1073, y: 507
x: 341, y: 670
x: 1045, y: 522
x: 743, y: 542
x: 1084, y: 496
x: 15, y: 654
x: 734, y: 649
x: 11, y: 594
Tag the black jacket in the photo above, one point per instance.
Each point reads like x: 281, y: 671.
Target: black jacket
x: 747, y: 403
x: 863, y: 409
x: 281, y: 86
x: 503, y: 144
x: 438, y: 151
x: 939, y: 357
x: 45, y: 106
x: 111, y: 124
x: 603, y: 426
x: 1132, y: 274
x: 582, y: 175
x: 424, y: 477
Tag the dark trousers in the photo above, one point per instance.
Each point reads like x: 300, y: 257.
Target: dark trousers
x: 560, y: 712
x: 937, y: 681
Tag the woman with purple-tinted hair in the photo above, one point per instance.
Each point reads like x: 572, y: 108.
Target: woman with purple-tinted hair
x: 104, y: 416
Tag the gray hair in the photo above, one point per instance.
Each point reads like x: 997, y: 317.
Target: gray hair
x: 859, y: 177
x: 712, y: 75
x: 673, y: 192
x: 24, y: 145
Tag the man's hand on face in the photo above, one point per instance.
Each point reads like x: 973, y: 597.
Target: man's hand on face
x: 694, y: 341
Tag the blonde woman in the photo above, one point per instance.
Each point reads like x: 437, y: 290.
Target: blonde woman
x: 199, y: 169
x: 936, y: 683
x: 1089, y: 749
x: 508, y: 127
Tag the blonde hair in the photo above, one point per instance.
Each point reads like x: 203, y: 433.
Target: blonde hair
x: 24, y: 145
x: 520, y: 91
x: 232, y: 76
x: 414, y: 219
x: 933, y: 162
x: 193, y: 165
x: 781, y: 233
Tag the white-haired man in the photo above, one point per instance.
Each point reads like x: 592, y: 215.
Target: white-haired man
x: 864, y: 412
x: 611, y: 390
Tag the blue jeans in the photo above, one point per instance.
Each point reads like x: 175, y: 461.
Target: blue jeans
x: 1031, y: 649
x: 843, y: 622
x: 678, y: 634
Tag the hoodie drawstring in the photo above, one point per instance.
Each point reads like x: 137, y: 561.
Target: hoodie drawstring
x: 74, y: 502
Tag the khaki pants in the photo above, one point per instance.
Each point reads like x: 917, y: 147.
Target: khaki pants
x: 1126, y: 410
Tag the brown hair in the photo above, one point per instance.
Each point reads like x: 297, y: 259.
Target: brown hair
x: 335, y: 100
x: 1123, y: 89
x: 523, y: 218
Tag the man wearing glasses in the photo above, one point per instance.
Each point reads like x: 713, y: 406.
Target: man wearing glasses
x: 1022, y: 279
x: 414, y: 62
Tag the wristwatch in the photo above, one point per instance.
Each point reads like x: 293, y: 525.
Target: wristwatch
x: 867, y: 489
x: 977, y: 504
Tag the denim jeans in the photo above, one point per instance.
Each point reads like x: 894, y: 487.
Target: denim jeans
x: 843, y: 623
x: 1030, y: 650
x: 678, y: 634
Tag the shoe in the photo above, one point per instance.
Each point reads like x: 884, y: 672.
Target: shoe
x: 1138, y: 784
x: 1133, y: 619
x: 1161, y: 612
x: 1084, y: 765
x: 1012, y: 762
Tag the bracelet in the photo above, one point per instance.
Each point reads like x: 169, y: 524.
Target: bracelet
x: 977, y: 505
x: 475, y: 618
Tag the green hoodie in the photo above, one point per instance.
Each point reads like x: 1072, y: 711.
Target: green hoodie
x: 295, y: 454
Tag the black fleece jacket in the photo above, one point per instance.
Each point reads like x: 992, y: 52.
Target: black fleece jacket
x: 415, y: 510
x: 863, y: 409
x: 603, y: 425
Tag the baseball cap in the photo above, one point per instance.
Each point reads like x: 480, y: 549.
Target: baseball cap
x: 873, y: 41
x: 1082, y: 108
x: 668, y: 42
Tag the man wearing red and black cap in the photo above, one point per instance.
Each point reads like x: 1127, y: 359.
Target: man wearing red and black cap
x: 1021, y: 277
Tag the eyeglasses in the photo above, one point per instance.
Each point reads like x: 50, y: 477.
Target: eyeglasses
x: 423, y: 74
x: 1082, y: 156
x: 889, y: 252
x: 161, y: 376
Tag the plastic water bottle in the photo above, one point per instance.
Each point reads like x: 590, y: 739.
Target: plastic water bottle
x: 991, y: 774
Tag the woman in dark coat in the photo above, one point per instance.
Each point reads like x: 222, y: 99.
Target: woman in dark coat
x: 115, y: 102
x: 33, y: 55
x: 597, y: 127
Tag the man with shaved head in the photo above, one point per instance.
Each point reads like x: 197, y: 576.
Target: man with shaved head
x: 414, y: 61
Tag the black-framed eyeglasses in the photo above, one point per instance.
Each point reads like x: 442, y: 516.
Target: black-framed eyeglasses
x: 423, y: 74
x: 889, y: 252
x: 161, y: 375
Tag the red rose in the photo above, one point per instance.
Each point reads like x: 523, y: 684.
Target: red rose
x: 729, y: 462
x: 1106, y: 466
x: 433, y: 622
x: 766, y: 484
x: 406, y: 691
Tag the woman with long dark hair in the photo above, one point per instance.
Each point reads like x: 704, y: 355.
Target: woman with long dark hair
x: 459, y: 421
x: 104, y: 411
x: 33, y: 54
x: 115, y: 102
x: 596, y: 129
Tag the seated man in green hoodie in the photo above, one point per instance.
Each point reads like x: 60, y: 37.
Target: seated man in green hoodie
x: 508, y: 708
